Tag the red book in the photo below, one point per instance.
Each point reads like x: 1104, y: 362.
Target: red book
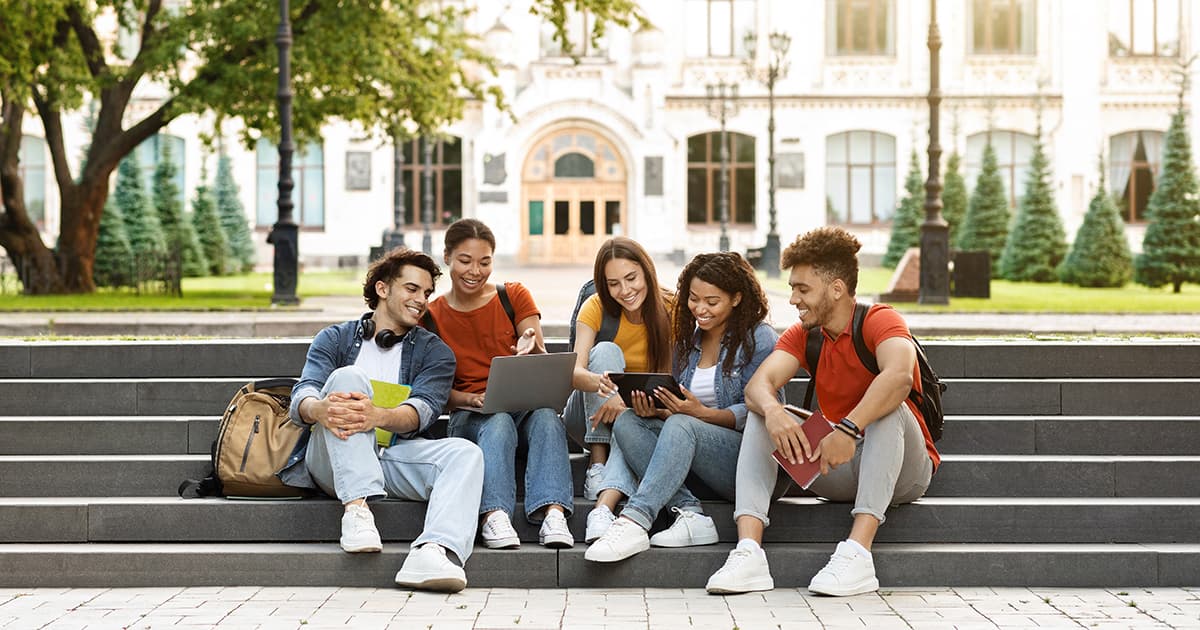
x: 815, y: 428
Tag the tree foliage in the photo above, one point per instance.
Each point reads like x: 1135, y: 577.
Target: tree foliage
x: 985, y: 227
x: 177, y: 228
x: 954, y: 197
x: 1037, y: 243
x: 207, y: 225
x: 1171, y: 245
x: 114, y: 255
x: 233, y: 219
x: 1100, y: 255
x: 906, y: 224
x: 141, y: 219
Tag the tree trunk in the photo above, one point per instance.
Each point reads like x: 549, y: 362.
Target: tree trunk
x: 1178, y: 286
x: 81, y: 212
x: 34, y: 262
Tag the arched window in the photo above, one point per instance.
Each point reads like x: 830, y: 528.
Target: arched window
x: 860, y: 177
x: 308, y: 177
x: 445, y: 161
x: 704, y: 178
x: 1134, y: 160
x: 32, y: 170
x: 150, y: 153
x: 574, y: 165
x: 1014, y: 150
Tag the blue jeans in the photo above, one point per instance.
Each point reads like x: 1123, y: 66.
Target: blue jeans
x: 547, y: 464
x: 605, y: 356
x: 662, y: 453
x: 446, y: 473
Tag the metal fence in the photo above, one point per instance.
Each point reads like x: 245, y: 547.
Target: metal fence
x: 156, y: 274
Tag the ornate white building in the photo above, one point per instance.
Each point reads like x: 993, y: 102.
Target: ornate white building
x: 626, y: 140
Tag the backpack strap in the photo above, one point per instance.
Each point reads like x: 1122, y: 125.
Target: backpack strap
x: 502, y: 293
x: 608, y: 326
x: 812, y: 354
x: 856, y: 335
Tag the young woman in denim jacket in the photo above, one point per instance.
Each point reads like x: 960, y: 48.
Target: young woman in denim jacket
x: 720, y: 340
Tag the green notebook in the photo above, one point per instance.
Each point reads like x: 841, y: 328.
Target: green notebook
x: 388, y: 396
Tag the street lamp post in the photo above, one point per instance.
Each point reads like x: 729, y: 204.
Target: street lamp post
x: 395, y: 237
x: 427, y: 195
x: 722, y: 103
x: 935, y: 232
x: 776, y: 68
x: 285, y: 233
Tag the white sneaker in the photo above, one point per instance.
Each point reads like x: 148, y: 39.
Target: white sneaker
x: 428, y: 568
x: 847, y: 573
x: 358, y: 530
x: 744, y: 571
x: 592, y: 478
x: 625, y: 538
x: 598, y: 521
x: 498, y: 533
x: 690, y: 529
x: 554, y: 532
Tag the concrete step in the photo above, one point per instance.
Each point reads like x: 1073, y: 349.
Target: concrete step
x: 793, y: 520
x: 999, y: 358
x: 793, y: 565
x: 964, y: 435
x: 208, y: 396
x: 958, y: 476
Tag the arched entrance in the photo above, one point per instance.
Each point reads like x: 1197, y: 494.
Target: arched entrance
x: 572, y: 196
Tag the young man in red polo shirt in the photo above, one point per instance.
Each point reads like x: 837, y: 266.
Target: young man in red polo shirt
x: 880, y: 452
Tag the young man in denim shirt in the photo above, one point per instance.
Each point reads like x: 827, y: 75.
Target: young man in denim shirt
x: 334, y: 395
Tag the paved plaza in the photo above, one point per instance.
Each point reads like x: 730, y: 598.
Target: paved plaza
x: 308, y: 608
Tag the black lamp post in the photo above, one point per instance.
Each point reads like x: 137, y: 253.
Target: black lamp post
x: 722, y: 103
x: 935, y: 232
x: 776, y: 68
x: 395, y: 237
x: 285, y: 233
x: 427, y: 195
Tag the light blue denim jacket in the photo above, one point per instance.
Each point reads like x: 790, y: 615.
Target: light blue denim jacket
x: 731, y: 388
x: 427, y: 364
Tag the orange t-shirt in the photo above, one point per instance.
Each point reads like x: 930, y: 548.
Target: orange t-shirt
x: 477, y: 336
x: 844, y: 379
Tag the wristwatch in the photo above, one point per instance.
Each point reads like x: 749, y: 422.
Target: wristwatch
x: 849, y: 428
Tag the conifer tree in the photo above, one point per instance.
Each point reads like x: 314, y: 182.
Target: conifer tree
x: 1171, y: 245
x: 1037, y: 243
x: 954, y: 197
x: 233, y: 218
x: 985, y: 227
x: 906, y: 224
x: 1100, y: 255
x: 141, y: 220
x: 211, y: 234
x: 177, y: 229
x: 114, y: 255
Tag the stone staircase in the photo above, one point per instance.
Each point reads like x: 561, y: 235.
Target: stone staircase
x: 1065, y: 464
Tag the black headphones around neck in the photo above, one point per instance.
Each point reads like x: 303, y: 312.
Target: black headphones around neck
x: 386, y: 337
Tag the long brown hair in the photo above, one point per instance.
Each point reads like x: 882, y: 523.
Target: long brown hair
x: 729, y: 272
x: 654, y: 308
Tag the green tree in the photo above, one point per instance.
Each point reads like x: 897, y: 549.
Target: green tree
x: 906, y: 224
x: 114, y: 255
x: 233, y: 218
x: 1037, y: 243
x: 954, y: 197
x: 385, y: 65
x: 986, y: 224
x: 177, y: 229
x: 212, y: 236
x: 1171, y: 245
x: 141, y: 219
x: 1100, y: 256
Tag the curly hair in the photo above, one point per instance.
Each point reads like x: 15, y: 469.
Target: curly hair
x: 390, y: 266
x: 831, y: 251
x: 654, y: 308
x: 731, y: 273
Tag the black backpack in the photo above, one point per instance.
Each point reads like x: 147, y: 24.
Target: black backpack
x: 608, y: 322
x: 501, y: 291
x: 930, y: 402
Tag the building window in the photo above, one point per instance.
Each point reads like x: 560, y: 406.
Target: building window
x: 1134, y: 160
x: 704, y: 178
x: 580, y: 25
x: 860, y: 27
x: 446, y: 162
x: 1003, y: 27
x: 860, y: 177
x: 32, y: 171
x: 150, y: 152
x: 1014, y: 150
x: 1143, y: 28
x: 716, y: 28
x: 308, y: 177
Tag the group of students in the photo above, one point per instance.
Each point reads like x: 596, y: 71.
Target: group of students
x: 721, y: 427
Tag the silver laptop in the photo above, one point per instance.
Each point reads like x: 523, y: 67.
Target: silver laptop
x: 528, y: 381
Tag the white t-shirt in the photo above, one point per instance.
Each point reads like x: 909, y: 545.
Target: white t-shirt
x: 381, y: 364
x: 704, y: 385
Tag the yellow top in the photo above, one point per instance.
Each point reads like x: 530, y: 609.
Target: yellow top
x: 630, y: 337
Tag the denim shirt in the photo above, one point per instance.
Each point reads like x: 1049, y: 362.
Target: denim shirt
x: 731, y: 389
x: 427, y: 364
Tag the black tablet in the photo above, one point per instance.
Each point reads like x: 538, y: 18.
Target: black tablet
x: 629, y: 382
